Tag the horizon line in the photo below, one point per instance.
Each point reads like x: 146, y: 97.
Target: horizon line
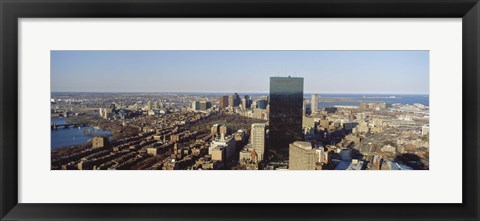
x: 214, y: 92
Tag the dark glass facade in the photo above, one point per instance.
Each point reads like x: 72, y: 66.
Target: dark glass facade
x: 234, y: 100
x: 262, y: 104
x: 286, y: 109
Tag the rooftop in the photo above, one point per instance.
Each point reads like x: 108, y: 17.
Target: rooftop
x: 303, y: 144
x: 258, y: 125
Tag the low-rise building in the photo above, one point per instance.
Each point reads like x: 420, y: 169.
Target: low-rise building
x: 99, y: 142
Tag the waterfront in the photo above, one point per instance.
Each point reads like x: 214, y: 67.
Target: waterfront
x: 242, y: 110
x: 72, y: 136
x: 76, y: 136
x: 409, y: 99
x: 329, y: 100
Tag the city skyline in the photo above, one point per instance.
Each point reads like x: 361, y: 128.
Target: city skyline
x: 236, y: 130
x: 326, y: 72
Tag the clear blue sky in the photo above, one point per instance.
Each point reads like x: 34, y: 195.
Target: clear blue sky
x: 376, y: 72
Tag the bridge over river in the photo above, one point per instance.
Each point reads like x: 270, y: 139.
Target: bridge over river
x: 55, y: 126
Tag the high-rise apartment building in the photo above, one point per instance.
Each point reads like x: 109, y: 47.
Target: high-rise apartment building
x: 257, y: 137
x: 285, y: 114
x: 314, y: 105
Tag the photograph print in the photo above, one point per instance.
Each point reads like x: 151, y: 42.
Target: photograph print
x: 239, y: 110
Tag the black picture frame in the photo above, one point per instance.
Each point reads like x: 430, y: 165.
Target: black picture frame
x: 12, y: 10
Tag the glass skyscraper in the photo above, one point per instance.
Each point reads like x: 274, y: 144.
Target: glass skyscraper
x: 286, y: 109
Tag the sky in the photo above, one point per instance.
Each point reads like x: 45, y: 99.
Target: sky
x: 347, y: 72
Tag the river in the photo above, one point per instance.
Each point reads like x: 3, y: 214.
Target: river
x: 72, y: 136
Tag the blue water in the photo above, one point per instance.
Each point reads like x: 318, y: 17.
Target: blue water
x: 72, y: 136
x: 354, y: 99
x: 331, y: 104
x: 387, y: 98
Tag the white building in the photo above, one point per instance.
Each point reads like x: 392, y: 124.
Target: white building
x: 257, y: 138
x: 314, y: 105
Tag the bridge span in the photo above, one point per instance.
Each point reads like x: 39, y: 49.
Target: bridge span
x: 55, y: 126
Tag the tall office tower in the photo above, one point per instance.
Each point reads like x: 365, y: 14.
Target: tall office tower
x: 314, y: 103
x: 195, y: 105
x: 234, y: 100
x: 205, y: 105
x: 156, y: 105
x: 223, y: 101
x: 302, y: 156
x: 248, y: 101
x: 237, y: 100
x: 257, y: 136
x: 285, y: 115
x: 230, y: 101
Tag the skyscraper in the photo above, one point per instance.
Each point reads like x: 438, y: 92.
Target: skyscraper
x: 234, y: 100
x: 205, y: 105
x: 314, y: 103
x: 223, y: 101
x: 246, y: 102
x: 286, y: 108
x: 249, y: 101
x: 195, y: 105
x: 257, y: 137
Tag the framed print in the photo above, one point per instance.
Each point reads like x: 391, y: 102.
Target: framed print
x: 227, y: 110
